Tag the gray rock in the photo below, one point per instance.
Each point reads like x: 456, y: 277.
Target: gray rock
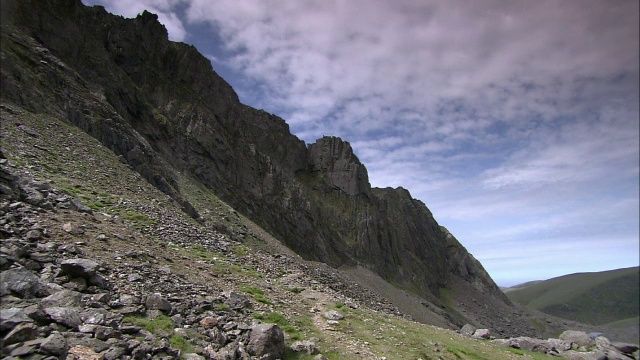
x: 33, y: 196
x: 79, y: 206
x: 20, y: 281
x: 99, y: 281
x: 482, y: 334
x: 342, y: 168
x: 217, y: 337
x: 29, y: 131
x: 84, y: 268
x: 266, y: 342
x: 33, y: 235
x: 226, y: 353
x: 238, y: 301
x: 591, y: 355
x: 23, y: 351
x: 613, y: 354
x: 333, y: 315
x: 559, y: 345
x: 625, y: 348
x: 63, y: 298
x: 86, y: 341
x: 468, y: 330
x: 72, y: 229
x: 11, y: 317
x: 192, y: 356
x: 128, y: 300
x: 141, y: 351
x: 69, y: 317
x: 114, y: 353
x: 579, y: 338
x: 22, y: 332
x: 525, y: 343
x: 306, y: 346
x: 157, y: 302
x: 54, y: 344
x: 134, y: 277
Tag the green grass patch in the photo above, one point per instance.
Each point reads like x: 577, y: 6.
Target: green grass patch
x: 257, y: 293
x: 178, y: 342
x: 239, y: 250
x: 281, y: 321
x: 161, y: 323
x: 221, y: 307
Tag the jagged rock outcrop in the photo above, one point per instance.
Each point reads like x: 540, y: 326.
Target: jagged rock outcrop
x: 341, y: 168
x: 160, y: 106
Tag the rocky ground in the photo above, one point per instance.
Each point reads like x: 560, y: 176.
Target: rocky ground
x: 98, y: 264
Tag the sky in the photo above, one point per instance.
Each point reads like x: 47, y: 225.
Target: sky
x: 515, y: 122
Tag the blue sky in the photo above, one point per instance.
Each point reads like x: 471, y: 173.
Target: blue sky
x: 515, y: 122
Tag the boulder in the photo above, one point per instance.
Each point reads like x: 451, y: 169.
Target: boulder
x: 11, y: 317
x: 67, y: 316
x: 54, y: 344
x: 238, y: 301
x: 333, y: 315
x: 84, y: 268
x: 266, y: 342
x: 22, y: 332
x: 20, y: 281
x: 578, y: 338
x: 468, y: 330
x: 482, y: 334
x: 625, y: 348
x: 525, y: 343
x: 63, y: 298
x: 157, y: 302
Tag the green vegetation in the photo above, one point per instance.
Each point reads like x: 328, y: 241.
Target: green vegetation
x: 257, y: 293
x: 161, y: 323
x: 281, y: 321
x: 594, y: 298
x: 219, y: 264
x: 178, y: 342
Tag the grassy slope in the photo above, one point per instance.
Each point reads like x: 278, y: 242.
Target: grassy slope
x: 594, y: 298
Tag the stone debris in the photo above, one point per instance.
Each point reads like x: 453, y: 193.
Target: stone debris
x: 573, y: 345
x: 58, y: 301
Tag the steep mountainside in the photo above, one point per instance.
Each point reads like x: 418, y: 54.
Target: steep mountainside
x: 160, y: 107
x: 593, y: 298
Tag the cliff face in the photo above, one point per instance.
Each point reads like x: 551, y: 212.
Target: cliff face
x: 162, y: 108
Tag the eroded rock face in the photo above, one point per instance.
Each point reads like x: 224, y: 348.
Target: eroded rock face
x: 341, y: 168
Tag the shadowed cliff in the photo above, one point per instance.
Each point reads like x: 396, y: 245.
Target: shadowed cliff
x: 161, y: 107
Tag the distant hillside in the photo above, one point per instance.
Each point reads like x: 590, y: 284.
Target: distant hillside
x: 597, y: 298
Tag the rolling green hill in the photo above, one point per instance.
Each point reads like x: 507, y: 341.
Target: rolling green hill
x: 597, y: 298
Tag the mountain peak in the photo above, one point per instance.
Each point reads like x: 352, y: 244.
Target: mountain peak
x: 335, y: 158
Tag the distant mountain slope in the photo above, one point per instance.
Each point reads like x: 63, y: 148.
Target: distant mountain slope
x: 595, y: 298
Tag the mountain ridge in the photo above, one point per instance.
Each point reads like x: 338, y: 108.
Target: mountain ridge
x: 161, y: 108
x: 596, y: 298
x: 170, y: 107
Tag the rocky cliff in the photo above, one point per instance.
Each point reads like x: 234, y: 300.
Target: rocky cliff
x: 164, y: 111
